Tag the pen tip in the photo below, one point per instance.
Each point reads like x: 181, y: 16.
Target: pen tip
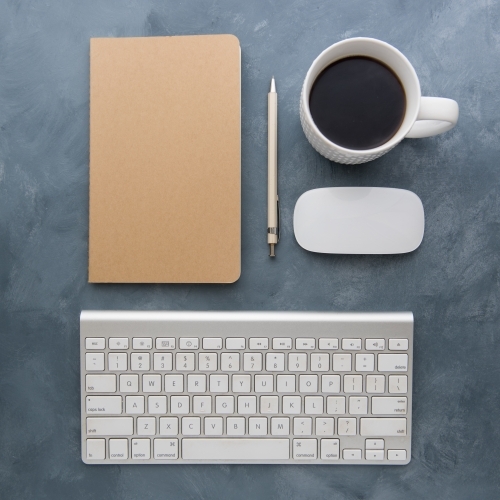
x: 272, y: 250
x: 273, y: 85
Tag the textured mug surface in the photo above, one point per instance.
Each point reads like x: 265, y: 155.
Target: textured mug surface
x: 437, y: 115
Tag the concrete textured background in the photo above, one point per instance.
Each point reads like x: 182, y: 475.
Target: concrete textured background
x: 451, y: 282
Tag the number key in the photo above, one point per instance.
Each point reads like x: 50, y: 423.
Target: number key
x: 139, y: 361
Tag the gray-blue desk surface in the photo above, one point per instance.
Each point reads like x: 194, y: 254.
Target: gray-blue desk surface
x: 451, y: 282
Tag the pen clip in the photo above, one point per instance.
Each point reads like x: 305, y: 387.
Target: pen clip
x: 279, y: 221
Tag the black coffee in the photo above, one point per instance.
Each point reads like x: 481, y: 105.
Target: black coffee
x: 357, y: 103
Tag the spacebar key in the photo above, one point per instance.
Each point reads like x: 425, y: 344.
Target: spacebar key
x: 235, y: 449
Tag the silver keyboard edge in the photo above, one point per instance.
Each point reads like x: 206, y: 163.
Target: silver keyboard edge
x: 113, y: 322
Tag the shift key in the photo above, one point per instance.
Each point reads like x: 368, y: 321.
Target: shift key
x: 110, y: 426
x: 380, y: 427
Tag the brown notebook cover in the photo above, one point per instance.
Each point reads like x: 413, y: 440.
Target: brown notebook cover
x: 165, y: 169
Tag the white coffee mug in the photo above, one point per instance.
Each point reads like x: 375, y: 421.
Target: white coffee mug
x: 424, y: 116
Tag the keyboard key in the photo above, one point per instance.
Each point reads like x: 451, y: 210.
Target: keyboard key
x: 207, y: 361
x: 263, y: 383
x: 252, y: 361
x: 191, y: 426
x: 235, y: 344
x: 282, y: 343
x: 202, y: 404
x: 353, y: 384
x: 302, y: 426
x: 292, y: 405
x: 235, y: 449
x: 393, y: 362
x: 213, y: 426
x: 134, y: 405
x: 235, y: 426
x: 374, y: 444
x: 351, y: 454
x: 129, y: 383
x: 303, y: 344
x: 95, y: 343
x: 241, y: 383
x: 358, y: 405
x: 280, y: 426
x: 184, y: 361
x: 375, y: 344
x: 230, y: 361
x: 165, y: 343
x: 328, y: 344
x: 380, y: 427
x: 297, y: 362
x: 142, y: 343
x: 189, y: 343
x: 313, y: 405
x: 179, y: 405
x: 330, y: 384
x: 259, y: 343
x: 100, y: 383
x: 308, y: 383
x: 157, y: 405
x: 275, y: 362
x: 286, y: 383
x: 151, y: 383
x: 320, y: 362
x: 117, y: 361
x: 375, y: 384
x: 141, y: 449
x: 374, y: 454
x: 162, y: 361
x: 330, y: 449
x: 396, y: 455
x: 94, y: 361
x: 388, y: 405
x: 398, y: 344
x: 212, y: 343
x: 257, y: 426
x: 118, y: 343
x: 351, y: 344
x: 197, y: 383
x: 219, y: 383
x: 174, y: 383
x: 96, y: 449
x: 166, y: 449
x: 341, y: 362
x: 224, y: 404
x: 305, y: 449
x: 324, y: 426
x: 118, y: 449
x: 398, y: 384
x: 110, y: 426
x: 247, y: 405
x: 346, y: 426
x: 365, y: 362
x: 139, y: 361
x: 269, y: 404
x: 169, y: 426
x: 335, y: 405
x: 146, y: 426
x: 104, y: 405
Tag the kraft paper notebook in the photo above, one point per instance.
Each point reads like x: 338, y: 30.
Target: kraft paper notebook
x: 165, y: 168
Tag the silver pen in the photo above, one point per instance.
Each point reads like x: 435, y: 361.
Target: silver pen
x: 272, y: 169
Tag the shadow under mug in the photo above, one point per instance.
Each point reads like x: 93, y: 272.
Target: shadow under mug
x: 424, y: 116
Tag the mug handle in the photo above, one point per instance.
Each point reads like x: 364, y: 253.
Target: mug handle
x: 436, y: 115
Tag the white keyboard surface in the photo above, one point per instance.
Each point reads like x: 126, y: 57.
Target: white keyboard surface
x: 246, y: 387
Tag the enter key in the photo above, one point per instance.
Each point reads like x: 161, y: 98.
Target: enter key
x: 389, y: 405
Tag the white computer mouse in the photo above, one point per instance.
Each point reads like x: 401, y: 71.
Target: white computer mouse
x: 359, y: 220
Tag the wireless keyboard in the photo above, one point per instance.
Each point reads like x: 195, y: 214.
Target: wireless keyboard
x: 246, y: 387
